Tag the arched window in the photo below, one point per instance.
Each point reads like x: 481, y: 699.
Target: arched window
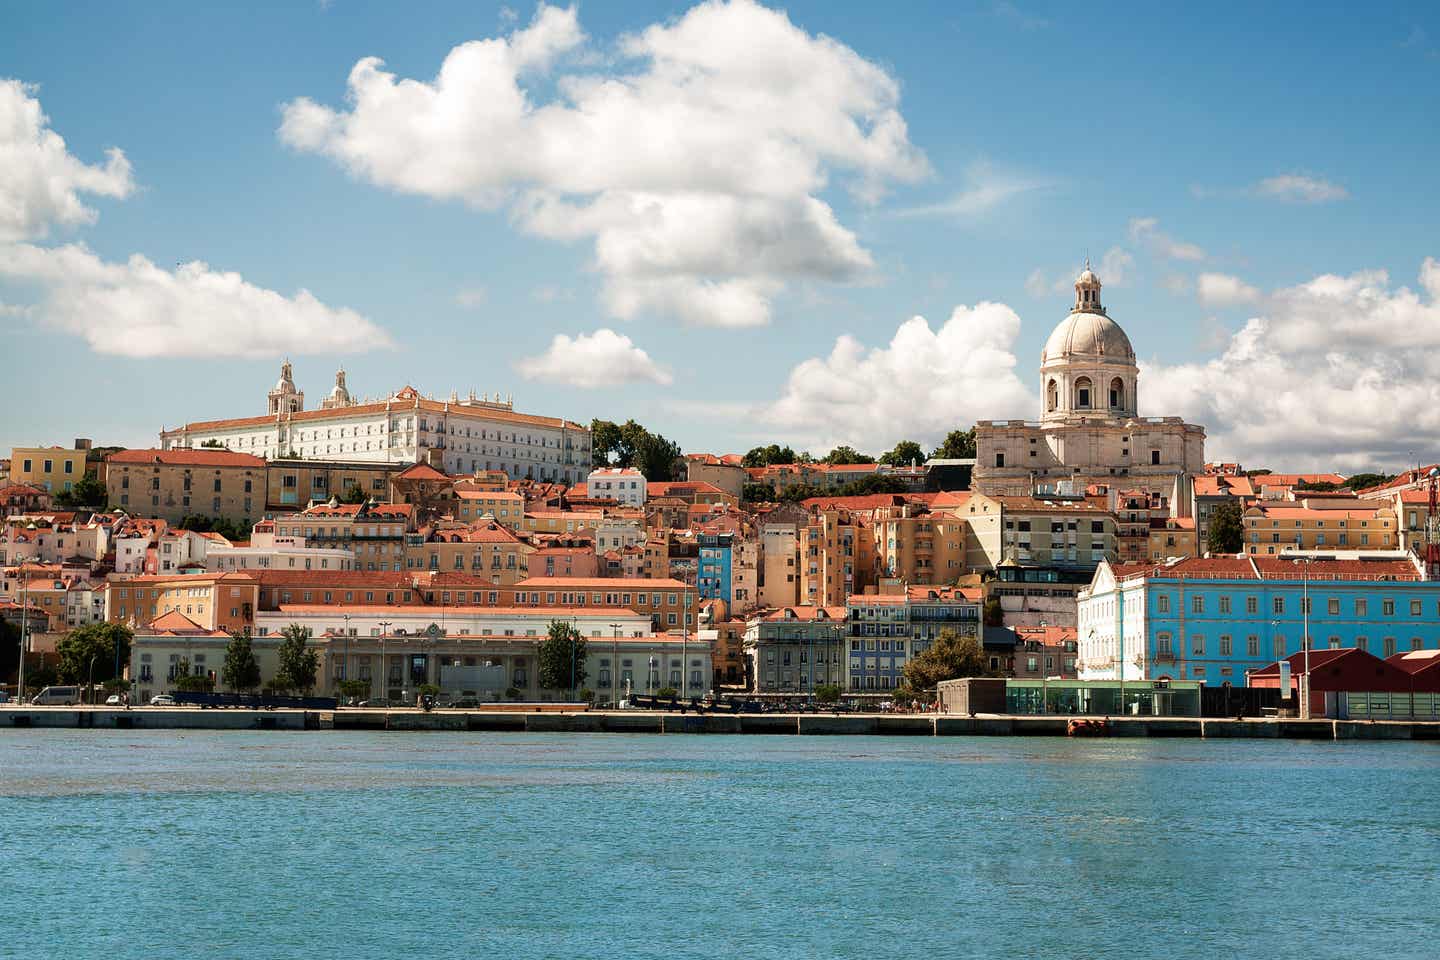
x: 1052, y: 396
x: 1082, y: 393
x: 1117, y: 394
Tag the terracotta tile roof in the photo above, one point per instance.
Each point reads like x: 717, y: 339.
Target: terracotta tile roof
x: 1046, y: 505
x: 338, y: 579
x: 174, y: 621
x: 453, y: 579
x: 806, y: 612
x: 455, y: 609
x: 603, y: 583
x: 406, y: 399
x: 421, y: 471
x: 197, y: 457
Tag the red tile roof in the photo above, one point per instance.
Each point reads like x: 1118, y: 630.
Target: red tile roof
x: 197, y: 457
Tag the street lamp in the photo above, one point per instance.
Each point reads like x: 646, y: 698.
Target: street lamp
x: 345, y: 667
x: 1305, y: 634
x: 615, y: 670
x: 384, y: 665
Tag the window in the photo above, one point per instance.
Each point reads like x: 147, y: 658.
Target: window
x: 1387, y: 607
x: 1332, y: 606
x: 1162, y: 603
x: 1252, y: 604
x: 1162, y: 645
x: 1278, y: 604
x: 1225, y: 646
x: 1224, y: 605
x: 1197, y: 604
x: 1361, y: 607
x: 1414, y: 608
x: 1000, y: 459
x: 1252, y: 646
x: 1197, y: 646
x: 1155, y: 457
x: 1388, y: 645
x: 1082, y: 393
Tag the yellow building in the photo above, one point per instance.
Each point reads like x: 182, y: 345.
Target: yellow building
x: 506, y: 507
x: 486, y: 549
x: 292, y: 484
x: 215, y: 601
x: 53, y: 469
x: 837, y: 558
x: 173, y: 484
x: 1173, y: 537
x: 918, y: 546
x: 1280, y: 527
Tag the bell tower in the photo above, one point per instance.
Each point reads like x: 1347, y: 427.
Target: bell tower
x: 284, y: 398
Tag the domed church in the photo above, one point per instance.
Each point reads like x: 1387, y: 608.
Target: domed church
x: 1090, y: 430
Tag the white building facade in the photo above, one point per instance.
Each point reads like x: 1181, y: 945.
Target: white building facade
x: 458, y: 436
x: 625, y: 485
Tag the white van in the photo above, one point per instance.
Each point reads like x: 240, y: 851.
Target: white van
x: 57, y: 696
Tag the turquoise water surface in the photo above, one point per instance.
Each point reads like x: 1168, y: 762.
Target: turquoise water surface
x: 317, y: 845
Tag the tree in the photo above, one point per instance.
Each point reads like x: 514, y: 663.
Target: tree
x: 354, y: 689
x: 1362, y: 481
x: 298, y: 663
x: 827, y: 693
x: 88, y: 493
x: 765, y: 456
x: 213, y: 444
x: 102, y: 643
x: 757, y: 493
x: 843, y: 455
x: 1227, y: 529
x: 949, y: 657
x: 201, y: 523
x: 191, y: 683
x: 630, y: 445
x: 994, y: 613
x: 905, y: 453
x: 667, y: 693
x: 957, y: 445
x: 241, y: 671
x: 354, y: 494
x: 562, y: 657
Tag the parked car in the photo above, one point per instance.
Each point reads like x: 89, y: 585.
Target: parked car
x: 374, y: 702
x: 57, y: 696
x: 162, y: 700
x: 114, y: 700
x: 463, y: 703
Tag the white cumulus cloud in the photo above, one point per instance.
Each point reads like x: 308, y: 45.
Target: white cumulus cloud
x: 1301, y: 188
x: 1223, y: 290
x: 923, y: 384
x: 137, y: 309
x: 600, y: 359
x: 41, y: 183
x: 1341, y: 372
x: 693, y: 162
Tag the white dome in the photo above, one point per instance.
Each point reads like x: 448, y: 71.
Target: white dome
x: 1088, y: 335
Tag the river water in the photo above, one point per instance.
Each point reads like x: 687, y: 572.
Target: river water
x: 123, y: 844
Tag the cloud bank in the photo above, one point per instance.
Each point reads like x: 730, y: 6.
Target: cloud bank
x: 693, y: 160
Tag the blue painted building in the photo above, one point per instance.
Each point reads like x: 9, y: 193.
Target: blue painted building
x: 713, y: 570
x: 1213, y: 619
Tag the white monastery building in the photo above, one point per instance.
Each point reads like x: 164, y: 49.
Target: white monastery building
x: 456, y: 435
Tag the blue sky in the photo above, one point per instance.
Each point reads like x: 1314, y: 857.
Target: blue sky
x: 1222, y: 158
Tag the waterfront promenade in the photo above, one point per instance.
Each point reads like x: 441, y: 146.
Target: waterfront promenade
x: 637, y: 721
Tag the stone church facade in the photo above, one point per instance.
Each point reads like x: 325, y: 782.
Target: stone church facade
x: 1089, y: 430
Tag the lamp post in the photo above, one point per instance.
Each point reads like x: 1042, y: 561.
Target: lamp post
x: 1305, y: 636
x: 384, y: 665
x: 24, y: 632
x: 615, y: 660
x: 345, y: 667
